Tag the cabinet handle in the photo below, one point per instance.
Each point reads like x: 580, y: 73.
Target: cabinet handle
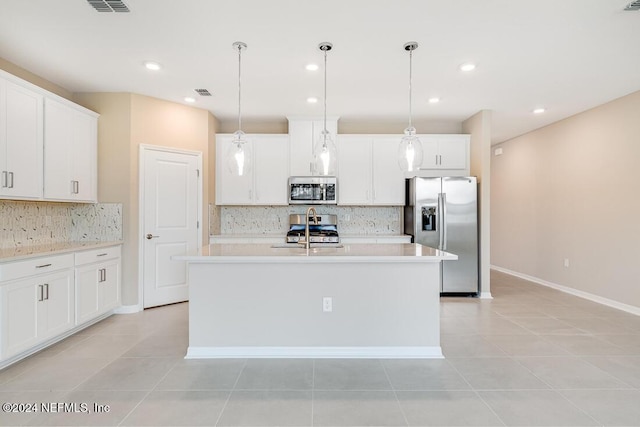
x: 104, y: 274
x: 46, y: 288
x: 4, y: 179
x: 104, y: 254
x: 43, y: 265
x: 77, y: 187
x: 40, y: 293
x: 11, y: 179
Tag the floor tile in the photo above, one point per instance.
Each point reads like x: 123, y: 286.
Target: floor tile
x: 276, y: 374
x: 109, y: 346
x: 267, y: 408
x: 497, y: 373
x: 178, y: 408
x: 570, y: 373
x: 608, y: 407
x: 350, y: 374
x: 431, y: 374
x: 102, y: 408
x: 548, y: 326
x: 357, y: 408
x: 588, y: 345
x: 446, y: 408
x: 130, y: 374
x: 203, y: 374
x: 624, y: 368
x: 526, y: 345
x: 469, y: 346
x: 160, y: 346
x: 535, y: 408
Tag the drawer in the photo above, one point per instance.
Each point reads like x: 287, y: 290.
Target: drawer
x: 34, y: 266
x: 97, y: 255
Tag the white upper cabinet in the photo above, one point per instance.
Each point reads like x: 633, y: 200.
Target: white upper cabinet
x: 70, y: 160
x: 368, y: 171
x: 303, y: 133
x: 446, y: 152
x: 266, y: 181
x: 21, y: 121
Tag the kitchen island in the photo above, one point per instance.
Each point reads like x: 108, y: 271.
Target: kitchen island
x: 351, y: 301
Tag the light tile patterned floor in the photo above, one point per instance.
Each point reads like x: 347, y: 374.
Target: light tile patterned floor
x: 532, y: 356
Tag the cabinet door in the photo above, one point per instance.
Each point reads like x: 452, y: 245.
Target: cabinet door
x: 58, y: 303
x: 69, y: 153
x: 430, y: 159
x: 231, y: 189
x: 19, y: 316
x: 271, y: 169
x: 388, y: 178
x: 87, y: 304
x: 301, y: 147
x: 453, y: 151
x: 109, y: 286
x: 21, y: 121
x: 354, y: 170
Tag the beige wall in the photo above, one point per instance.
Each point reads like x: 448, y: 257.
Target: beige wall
x: 126, y: 121
x: 479, y: 127
x: 571, y: 190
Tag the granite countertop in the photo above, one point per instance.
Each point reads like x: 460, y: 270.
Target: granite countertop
x: 352, y: 253
x: 25, y: 252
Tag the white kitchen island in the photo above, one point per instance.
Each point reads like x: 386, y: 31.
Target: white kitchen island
x: 248, y: 301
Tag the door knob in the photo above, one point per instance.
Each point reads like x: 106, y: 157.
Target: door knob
x: 151, y: 236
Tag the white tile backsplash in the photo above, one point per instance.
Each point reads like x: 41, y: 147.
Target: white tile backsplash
x: 359, y: 220
x: 41, y: 223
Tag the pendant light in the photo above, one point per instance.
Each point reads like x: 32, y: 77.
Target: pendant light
x: 238, y: 157
x: 410, y: 149
x: 324, y: 151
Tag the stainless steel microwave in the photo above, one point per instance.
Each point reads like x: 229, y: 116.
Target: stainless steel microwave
x: 313, y: 190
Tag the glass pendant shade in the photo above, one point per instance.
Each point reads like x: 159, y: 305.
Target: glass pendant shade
x: 238, y: 158
x: 325, y: 155
x: 410, y: 151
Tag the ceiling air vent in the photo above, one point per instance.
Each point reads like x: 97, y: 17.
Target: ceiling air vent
x: 108, y: 5
x: 634, y: 5
x: 203, y: 92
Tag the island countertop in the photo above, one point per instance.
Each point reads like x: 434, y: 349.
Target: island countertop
x: 350, y: 253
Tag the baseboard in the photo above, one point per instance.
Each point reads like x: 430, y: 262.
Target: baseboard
x: 424, y: 352
x: 485, y: 295
x: 586, y: 295
x: 128, y: 309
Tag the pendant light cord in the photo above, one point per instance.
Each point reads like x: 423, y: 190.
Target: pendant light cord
x: 410, y: 79
x: 325, y: 96
x: 239, y: 87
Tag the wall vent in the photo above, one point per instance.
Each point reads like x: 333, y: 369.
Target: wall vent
x: 203, y: 92
x: 634, y: 5
x: 108, y: 5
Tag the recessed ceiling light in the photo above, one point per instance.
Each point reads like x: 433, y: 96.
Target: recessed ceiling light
x: 312, y: 67
x: 434, y: 100
x: 189, y: 99
x: 154, y: 66
x: 539, y: 111
x: 469, y: 66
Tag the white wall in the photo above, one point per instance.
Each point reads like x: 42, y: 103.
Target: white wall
x: 572, y: 190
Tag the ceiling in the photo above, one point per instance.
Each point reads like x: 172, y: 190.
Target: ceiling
x: 564, y: 55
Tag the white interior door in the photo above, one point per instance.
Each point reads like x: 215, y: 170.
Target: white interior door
x: 170, y: 186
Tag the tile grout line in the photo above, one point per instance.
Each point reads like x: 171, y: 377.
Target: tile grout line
x: 313, y: 388
x: 233, y: 388
x: 395, y: 394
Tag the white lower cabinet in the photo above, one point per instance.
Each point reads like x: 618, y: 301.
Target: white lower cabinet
x: 44, y: 298
x: 97, y: 283
x: 35, y: 309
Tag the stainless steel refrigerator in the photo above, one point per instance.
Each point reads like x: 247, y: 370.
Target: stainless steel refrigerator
x: 443, y: 213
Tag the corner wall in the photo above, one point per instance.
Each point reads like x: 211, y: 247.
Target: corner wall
x: 571, y: 191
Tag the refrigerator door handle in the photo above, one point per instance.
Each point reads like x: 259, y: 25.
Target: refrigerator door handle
x: 440, y: 222
x: 443, y: 221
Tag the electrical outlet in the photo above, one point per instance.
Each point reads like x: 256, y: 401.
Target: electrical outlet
x: 327, y: 304
x: 566, y: 263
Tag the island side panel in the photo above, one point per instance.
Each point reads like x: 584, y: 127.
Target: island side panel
x: 261, y: 307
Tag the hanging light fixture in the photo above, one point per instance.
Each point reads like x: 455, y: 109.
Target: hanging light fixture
x: 410, y: 149
x: 239, y: 152
x: 324, y: 151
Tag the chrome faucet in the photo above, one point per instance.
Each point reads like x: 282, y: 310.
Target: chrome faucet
x: 307, y: 243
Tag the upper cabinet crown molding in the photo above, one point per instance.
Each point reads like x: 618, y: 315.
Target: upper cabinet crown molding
x: 48, y: 145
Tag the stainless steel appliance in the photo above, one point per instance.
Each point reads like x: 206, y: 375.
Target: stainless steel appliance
x: 325, y: 231
x: 313, y: 190
x: 443, y: 213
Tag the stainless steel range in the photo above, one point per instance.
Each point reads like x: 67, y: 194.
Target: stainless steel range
x: 325, y: 231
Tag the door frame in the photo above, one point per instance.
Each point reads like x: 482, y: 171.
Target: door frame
x: 144, y: 148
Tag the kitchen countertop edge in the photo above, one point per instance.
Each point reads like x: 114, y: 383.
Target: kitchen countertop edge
x: 36, y: 251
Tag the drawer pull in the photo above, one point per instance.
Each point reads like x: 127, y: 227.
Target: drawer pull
x: 104, y: 254
x: 43, y: 265
x: 40, y: 293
